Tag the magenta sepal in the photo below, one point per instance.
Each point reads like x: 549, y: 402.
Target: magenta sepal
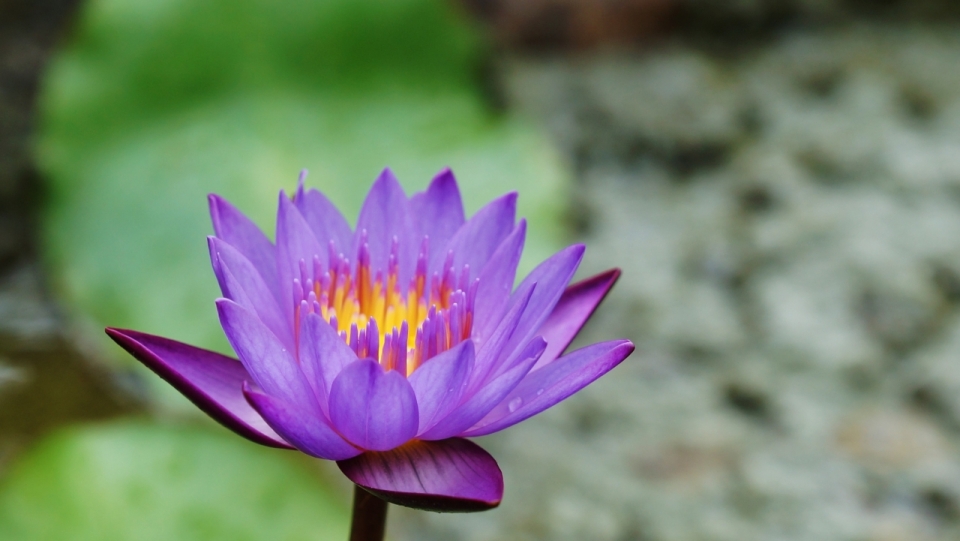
x: 212, y: 381
x: 572, y: 311
x: 447, y: 476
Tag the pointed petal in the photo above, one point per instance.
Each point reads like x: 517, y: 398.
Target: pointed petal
x: 211, y: 381
x: 271, y: 365
x: 491, y: 353
x: 553, y: 383
x: 438, y: 212
x: 452, y: 475
x: 324, y: 219
x: 487, y: 398
x: 307, y: 432
x: 496, y: 282
x: 323, y: 355
x: 375, y: 410
x: 295, y: 242
x: 572, y: 311
x: 475, y: 242
x: 551, y: 277
x: 240, y: 232
x: 440, y: 383
x: 241, y: 282
x: 385, y: 214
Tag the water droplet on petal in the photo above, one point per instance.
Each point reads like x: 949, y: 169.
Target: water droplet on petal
x: 539, y: 392
x: 514, y: 404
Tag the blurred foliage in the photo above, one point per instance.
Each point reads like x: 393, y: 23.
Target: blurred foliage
x: 135, y: 60
x: 133, y: 481
x: 155, y: 103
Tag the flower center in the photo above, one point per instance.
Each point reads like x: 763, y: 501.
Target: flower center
x: 377, y: 318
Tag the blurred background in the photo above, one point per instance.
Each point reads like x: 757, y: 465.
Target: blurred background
x: 778, y: 179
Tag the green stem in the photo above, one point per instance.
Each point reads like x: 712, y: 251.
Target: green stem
x: 369, y: 516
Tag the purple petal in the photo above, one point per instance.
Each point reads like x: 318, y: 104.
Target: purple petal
x: 438, y: 211
x: 271, y: 365
x: 211, y: 381
x: 474, y: 243
x: 551, y: 277
x: 574, y: 308
x: 375, y: 410
x: 496, y: 282
x: 440, y: 383
x: 241, y: 283
x: 324, y: 219
x: 486, y: 399
x: 307, y: 432
x: 240, y: 232
x: 295, y: 243
x: 452, y: 475
x: 491, y: 354
x: 385, y: 214
x: 553, y: 383
x: 323, y: 355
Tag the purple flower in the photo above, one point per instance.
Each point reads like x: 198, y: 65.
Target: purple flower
x: 384, y: 347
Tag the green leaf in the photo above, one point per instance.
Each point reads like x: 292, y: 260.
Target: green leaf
x: 135, y: 60
x: 137, y: 481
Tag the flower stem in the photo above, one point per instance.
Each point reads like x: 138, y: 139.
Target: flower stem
x: 369, y: 516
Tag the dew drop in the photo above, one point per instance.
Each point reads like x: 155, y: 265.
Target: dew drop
x: 514, y: 404
x: 539, y: 392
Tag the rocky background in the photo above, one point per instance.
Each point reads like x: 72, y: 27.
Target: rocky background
x: 785, y: 205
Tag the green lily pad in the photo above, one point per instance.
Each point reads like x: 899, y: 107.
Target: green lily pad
x: 134, y: 481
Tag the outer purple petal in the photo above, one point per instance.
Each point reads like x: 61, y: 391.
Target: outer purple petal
x: 553, y: 383
x: 475, y: 242
x: 551, y: 277
x: 375, y: 410
x: 440, y: 383
x: 496, y: 282
x: 385, y: 214
x: 295, y: 242
x: 241, y: 282
x: 452, y: 475
x: 307, y: 432
x: 271, y: 365
x: 211, y: 381
x: 323, y: 354
x: 240, y: 232
x: 477, y: 406
x: 491, y: 353
x: 324, y: 219
x: 574, y: 308
x: 438, y: 212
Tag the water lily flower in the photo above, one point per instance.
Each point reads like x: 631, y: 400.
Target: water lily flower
x: 384, y: 346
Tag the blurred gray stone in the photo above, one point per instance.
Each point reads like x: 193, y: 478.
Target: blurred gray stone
x: 788, y: 224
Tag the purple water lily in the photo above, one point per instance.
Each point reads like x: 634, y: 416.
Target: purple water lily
x: 383, y: 347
